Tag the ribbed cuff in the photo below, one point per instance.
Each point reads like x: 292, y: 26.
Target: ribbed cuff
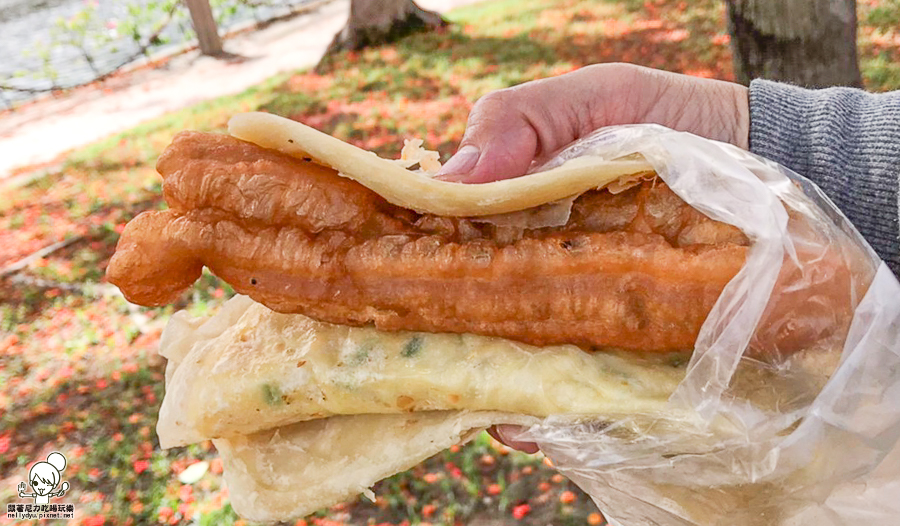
x: 778, y: 116
x: 846, y: 141
x: 812, y: 132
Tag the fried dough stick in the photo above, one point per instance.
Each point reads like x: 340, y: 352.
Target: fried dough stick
x: 637, y: 270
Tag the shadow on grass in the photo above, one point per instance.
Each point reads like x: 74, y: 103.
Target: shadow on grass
x: 90, y: 426
x: 102, y: 408
x: 424, y: 56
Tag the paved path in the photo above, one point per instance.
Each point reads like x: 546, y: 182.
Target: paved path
x: 42, y: 131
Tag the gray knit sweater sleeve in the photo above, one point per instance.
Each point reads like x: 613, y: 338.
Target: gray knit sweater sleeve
x: 845, y: 140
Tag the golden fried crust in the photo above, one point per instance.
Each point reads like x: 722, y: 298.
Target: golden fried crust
x: 637, y: 270
x: 153, y: 269
x: 202, y: 170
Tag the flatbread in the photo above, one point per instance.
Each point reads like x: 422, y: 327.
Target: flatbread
x: 293, y: 471
x: 421, y: 193
x: 249, y: 369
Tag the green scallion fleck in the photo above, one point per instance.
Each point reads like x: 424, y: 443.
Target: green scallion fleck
x: 272, y: 394
x: 677, y: 360
x: 412, y: 347
x: 361, y: 355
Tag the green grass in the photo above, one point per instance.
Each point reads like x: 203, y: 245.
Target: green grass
x: 78, y: 366
x: 879, y: 44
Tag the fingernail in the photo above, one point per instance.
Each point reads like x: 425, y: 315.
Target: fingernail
x: 502, y: 431
x: 505, y: 430
x: 462, y: 162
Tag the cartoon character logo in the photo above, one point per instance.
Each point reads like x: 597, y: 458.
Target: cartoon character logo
x: 44, y: 477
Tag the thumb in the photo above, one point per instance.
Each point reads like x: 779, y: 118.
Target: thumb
x: 499, y: 143
x: 502, y: 432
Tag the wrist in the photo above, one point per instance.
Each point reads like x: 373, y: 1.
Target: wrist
x: 741, y: 116
x: 713, y: 109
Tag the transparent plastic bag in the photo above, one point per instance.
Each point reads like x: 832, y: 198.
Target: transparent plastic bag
x: 756, y: 435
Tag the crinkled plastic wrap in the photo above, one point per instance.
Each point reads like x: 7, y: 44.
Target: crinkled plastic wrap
x: 818, y: 445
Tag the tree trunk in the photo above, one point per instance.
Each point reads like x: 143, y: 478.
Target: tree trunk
x: 374, y: 22
x: 205, y: 27
x: 811, y: 43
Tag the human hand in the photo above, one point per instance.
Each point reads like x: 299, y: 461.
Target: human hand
x: 509, y: 128
x: 502, y: 432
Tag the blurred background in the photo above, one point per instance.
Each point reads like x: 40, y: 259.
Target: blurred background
x: 92, y: 91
